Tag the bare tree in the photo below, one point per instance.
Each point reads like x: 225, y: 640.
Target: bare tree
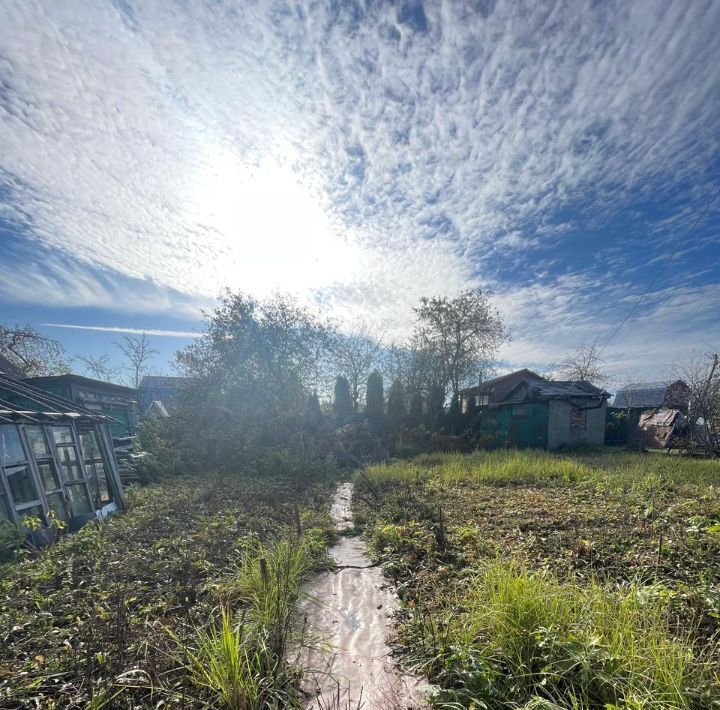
x: 584, y: 363
x: 701, y: 373
x: 355, y: 355
x: 459, y: 334
x: 34, y: 354
x: 98, y: 366
x: 138, y: 353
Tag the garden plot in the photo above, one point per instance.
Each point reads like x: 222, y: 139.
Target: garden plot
x: 587, y: 580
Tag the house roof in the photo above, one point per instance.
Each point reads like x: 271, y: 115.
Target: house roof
x: 157, y: 407
x: 489, y: 385
x: 20, y: 401
x: 644, y: 394
x: 163, y: 381
x: 82, y: 380
x: 531, y: 390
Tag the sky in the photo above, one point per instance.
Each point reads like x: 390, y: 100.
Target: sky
x: 361, y: 155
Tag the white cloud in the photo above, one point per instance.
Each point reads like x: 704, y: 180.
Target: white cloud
x: 133, y: 331
x: 346, y: 155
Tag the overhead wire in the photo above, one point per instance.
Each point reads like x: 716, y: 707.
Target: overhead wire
x: 674, y: 252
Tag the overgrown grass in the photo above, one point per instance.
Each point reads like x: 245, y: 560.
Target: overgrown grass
x: 514, y: 635
x: 512, y: 467
x: 95, y: 621
x: 583, y: 579
x: 239, y: 659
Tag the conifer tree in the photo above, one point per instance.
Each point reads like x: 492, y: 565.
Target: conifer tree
x: 374, y: 397
x: 314, y: 413
x: 342, y: 402
x: 396, y: 404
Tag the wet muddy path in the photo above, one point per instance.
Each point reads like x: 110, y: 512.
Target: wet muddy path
x: 350, y: 609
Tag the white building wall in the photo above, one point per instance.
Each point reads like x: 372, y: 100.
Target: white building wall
x: 560, y: 433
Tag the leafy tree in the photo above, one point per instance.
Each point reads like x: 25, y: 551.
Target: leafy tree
x: 31, y: 352
x: 251, y: 373
x: 342, y: 401
x: 397, y: 413
x: 375, y: 397
x: 456, y: 334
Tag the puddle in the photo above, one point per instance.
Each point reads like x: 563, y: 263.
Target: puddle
x: 351, y: 611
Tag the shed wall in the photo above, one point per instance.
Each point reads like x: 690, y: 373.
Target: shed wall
x: 560, y: 432
x: 522, y: 425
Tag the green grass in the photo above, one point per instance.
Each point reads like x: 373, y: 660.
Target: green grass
x: 240, y: 660
x: 129, y: 613
x: 582, y: 579
x: 512, y: 467
x: 514, y: 635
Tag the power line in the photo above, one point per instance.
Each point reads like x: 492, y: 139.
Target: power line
x: 662, y: 269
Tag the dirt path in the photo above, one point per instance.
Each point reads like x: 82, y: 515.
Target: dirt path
x: 351, y: 611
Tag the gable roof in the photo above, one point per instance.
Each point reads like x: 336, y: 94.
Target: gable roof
x: 646, y: 394
x: 156, y: 408
x: 530, y: 390
x: 499, y: 386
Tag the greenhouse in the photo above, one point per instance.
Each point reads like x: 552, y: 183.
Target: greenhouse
x: 56, y: 459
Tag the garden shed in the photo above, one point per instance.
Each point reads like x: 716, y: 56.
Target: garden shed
x: 547, y: 414
x: 56, y: 458
x: 118, y: 402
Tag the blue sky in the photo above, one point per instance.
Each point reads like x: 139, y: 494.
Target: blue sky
x: 362, y: 155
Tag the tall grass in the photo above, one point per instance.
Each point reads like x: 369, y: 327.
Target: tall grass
x: 268, y: 583
x: 513, y: 467
x: 518, y: 637
x: 504, y: 467
x: 238, y: 662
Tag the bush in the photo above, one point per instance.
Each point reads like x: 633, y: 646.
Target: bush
x: 11, y: 540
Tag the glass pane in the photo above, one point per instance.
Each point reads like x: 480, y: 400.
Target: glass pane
x: 79, y: 501
x: 72, y: 473
x: 36, y: 512
x: 99, y: 482
x: 48, y: 476
x: 4, y: 508
x: 21, y: 484
x: 89, y: 445
x: 11, y: 449
x: 67, y: 454
x: 56, y: 503
x: 36, y: 437
x: 62, y: 435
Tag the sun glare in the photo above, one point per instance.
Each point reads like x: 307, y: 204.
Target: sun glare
x: 268, y: 230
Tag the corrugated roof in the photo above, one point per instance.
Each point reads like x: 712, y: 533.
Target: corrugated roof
x: 489, y: 385
x: 533, y: 390
x: 643, y: 394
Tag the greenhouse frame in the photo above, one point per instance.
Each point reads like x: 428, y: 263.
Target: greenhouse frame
x: 56, y: 460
